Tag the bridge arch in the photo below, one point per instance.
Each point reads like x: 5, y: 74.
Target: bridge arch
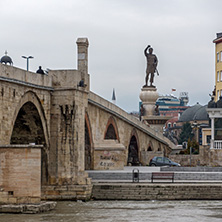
x: 31, y: 99
x: 133, y: 149
x: 29, y: 126
x: 111, y: 131
x: 88, y: 144
x: 159, y: 147
x: 150, y: 146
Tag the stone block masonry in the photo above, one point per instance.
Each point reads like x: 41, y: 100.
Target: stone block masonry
x: 20, y: 174
x: 136, y: 191
x: 27, y: 208
x: 67, y: 192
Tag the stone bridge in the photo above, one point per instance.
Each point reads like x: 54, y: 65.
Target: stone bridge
x: 78, y: 129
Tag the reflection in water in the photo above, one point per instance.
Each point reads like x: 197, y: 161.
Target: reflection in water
x: 123, y: 211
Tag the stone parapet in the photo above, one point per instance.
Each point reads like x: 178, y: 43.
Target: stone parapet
x: 20, y: 76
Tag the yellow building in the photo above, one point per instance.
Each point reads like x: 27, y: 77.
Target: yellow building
x: 215, y: 112
x: 218, y: 66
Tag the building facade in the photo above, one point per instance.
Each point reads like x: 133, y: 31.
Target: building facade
x: 218, y: 66
x: 215, y: 108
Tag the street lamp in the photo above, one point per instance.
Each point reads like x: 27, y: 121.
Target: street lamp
x: 29, y: 57
x: 195, y: 128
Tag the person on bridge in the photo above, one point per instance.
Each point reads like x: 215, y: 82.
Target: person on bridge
x: 151, y: 65
x: 40, y: 71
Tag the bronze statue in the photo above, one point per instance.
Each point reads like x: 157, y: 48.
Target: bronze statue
x: 151, y: 65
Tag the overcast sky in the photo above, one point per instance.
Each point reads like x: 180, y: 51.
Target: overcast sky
x: 180, y: 31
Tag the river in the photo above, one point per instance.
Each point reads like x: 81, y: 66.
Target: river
x: 123, y: 211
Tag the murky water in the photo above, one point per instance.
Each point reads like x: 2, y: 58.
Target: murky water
x: 104, y: 211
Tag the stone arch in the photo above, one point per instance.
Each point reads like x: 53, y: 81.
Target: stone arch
x: 32, y: 98
x: 111, y: 130
x: 150, y: 146
x: 88, y: 144
x: 133, y: 149
x: 29, y: 126
x: 159, y: 147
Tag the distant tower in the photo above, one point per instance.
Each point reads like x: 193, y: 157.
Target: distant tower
x: 6, y: 59
x: 114, y: 97
x: 184, y: 98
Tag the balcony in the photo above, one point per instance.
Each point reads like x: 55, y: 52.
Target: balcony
x: 217, y: 144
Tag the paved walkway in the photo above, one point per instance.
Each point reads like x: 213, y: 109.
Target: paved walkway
x: 128, y: 169
x: 125, y: 175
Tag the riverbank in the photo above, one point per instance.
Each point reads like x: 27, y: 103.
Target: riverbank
x: 157, y: 191
x: 190, y: 183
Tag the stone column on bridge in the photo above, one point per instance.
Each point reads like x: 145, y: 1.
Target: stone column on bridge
x: 67, y: 143
x: 83, y: 45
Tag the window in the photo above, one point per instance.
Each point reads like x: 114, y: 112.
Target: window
x: 218, y: 128
x: 166, y: 160
x: 208, y: 139
x: 218, y: 55
x: 218, y: 95
x: 221, y: 92
x: 159, y: 159
x: 221, y: 56
x: 218, y: 76
x: 221, y: 76
x: 169, y: 125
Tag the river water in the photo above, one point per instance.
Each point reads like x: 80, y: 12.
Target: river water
x: 107, y: 211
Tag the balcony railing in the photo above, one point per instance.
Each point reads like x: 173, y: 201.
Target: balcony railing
x: 217, y: 144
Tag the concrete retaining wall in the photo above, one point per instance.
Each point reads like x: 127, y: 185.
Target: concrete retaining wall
x: 120, y: 191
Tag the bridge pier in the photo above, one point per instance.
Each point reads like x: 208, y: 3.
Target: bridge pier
x: 67, y: 176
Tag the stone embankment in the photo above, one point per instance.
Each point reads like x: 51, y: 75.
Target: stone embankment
x: 164, y: 191
x: 201, y: 183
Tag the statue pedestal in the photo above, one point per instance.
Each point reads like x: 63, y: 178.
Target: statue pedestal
x: 156, y: 122
x: 148, y: 96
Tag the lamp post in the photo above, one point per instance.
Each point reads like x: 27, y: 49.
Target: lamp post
x: 195, y: 126
x: 29, y: 57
